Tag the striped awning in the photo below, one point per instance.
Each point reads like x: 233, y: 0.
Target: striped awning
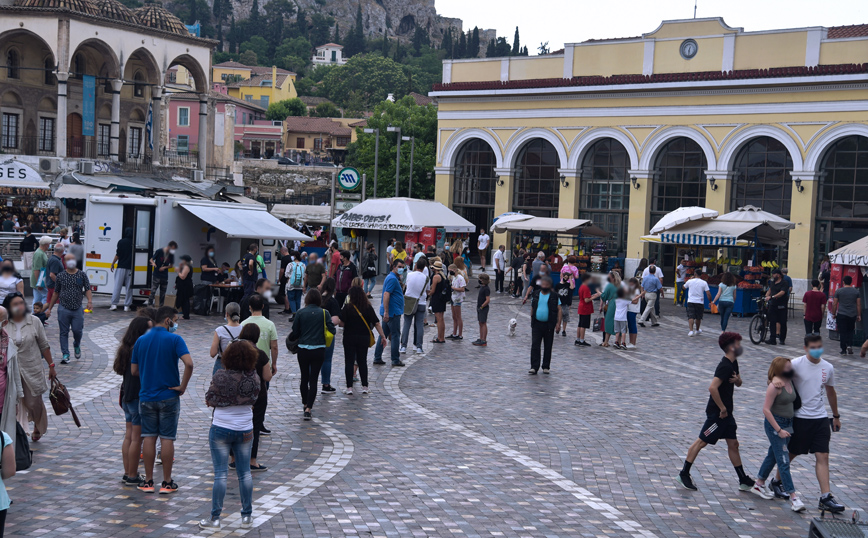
x: 696, y: 239
x: 718, y: 233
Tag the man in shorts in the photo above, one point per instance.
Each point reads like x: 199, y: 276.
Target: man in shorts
x: 812, y: 430
x: 585, y: 310
x: 155, y: 360
x: 697, y: 291
x: 719, y: 423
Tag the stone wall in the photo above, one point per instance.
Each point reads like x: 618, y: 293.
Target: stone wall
x: 266, y: 179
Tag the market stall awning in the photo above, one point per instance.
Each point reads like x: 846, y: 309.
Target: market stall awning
x: 14, y: 173
x: 751, y: 213
x: 550, y: 225
x: 682, y: 215
x: 78, y: 192
x: 719, y: 232
x: 243, y: 221
x: 659, y: 239
x: 403, y: 215
x: 503, y: 218
x: 308, y: 214
x: 856, y: 253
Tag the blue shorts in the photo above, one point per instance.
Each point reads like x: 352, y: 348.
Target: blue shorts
x: 131, y: 412
x: 161, y: 418
x: 631, y: 323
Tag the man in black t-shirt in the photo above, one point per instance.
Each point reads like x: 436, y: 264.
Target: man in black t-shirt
x: 778, y: 295
x: 719, y: 423
x: 124, y: 274
x: 250, y: 273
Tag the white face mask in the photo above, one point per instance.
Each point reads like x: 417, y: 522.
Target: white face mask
x: 172, y: 251
x: 267, y: 294
x: 70, y: 264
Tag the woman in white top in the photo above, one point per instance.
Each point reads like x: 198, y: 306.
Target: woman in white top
x: 459, y: 291
x: 233, y: 392
x: 226, y: 334
x: 10, y: 282
x: 635, y: 295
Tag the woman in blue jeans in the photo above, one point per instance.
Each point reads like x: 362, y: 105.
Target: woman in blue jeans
x: 233, y: 392
x: 779, y: 411
x: 725, y: 299
x: 330, y: 305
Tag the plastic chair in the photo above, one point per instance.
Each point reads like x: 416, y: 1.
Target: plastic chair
x: 218, y: 298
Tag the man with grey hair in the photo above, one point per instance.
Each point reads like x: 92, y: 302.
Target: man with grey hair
x: 54, y: 268
x: 70, y: 289
x: 39, y: 273
x: 543, y: 318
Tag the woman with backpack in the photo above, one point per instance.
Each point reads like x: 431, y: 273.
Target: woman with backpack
x: 369, y: 271
x: 226, y: 334
x: 294, y: 282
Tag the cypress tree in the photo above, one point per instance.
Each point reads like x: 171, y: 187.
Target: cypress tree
x: 337, y: 36
x: 516, y: 44
x: 473, y: 49
x: 254, y: 16
x: 491, y: 51
x: 461, y: 51
x: 232, y: 43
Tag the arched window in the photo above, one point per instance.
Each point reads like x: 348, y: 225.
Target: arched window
x: 680, y: 177
x: 606, y: 190
x: 762, y: 176
x: 48, y: 66
x: 139, y: 87
x: 537, y: 179
x: 475, y: 182
x: 844, y: 179
x: 13, y: 64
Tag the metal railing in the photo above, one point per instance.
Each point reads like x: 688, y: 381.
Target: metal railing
x: 10, y: 244
x: 181, y: 156
x: 87, y: 147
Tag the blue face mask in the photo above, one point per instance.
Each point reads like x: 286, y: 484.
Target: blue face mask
x: 401, y: 271
x: 816, y: 353
x: 173, y: 328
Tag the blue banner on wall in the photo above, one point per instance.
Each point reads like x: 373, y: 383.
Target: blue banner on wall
x: 88, y: 105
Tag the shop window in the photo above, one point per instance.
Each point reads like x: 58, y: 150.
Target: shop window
x: 605, y: 197
x: 13, y: 64
x: 762, y: 176
x: 10, y: 130
x: 843, y: 192
x: 537, y: 180
x: 475, y: 180
x: 46, y: 134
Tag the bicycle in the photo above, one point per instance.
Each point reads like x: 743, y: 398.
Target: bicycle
x: 760, y: 322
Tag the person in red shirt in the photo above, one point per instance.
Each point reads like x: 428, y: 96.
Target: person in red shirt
x: 556, y: 262
x: 815, y: 308
x: 335, y: 260
x: 586, y: 310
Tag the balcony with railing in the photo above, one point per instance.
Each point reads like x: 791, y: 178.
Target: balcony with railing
x: 27, y: 145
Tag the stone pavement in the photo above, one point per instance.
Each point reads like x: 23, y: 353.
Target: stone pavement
x: 461, y: 442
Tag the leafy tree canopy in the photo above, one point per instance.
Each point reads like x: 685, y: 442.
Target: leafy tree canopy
x: 282, y: 109
x: 369, y: 77
x: 326, y: 110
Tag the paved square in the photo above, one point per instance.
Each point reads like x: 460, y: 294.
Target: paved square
x: 461, y: 442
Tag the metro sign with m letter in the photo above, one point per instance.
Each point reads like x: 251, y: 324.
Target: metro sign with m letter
x: 349, y: 179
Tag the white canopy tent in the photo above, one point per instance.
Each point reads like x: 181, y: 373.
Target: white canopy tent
x: 550, y: 225
x: 856, y: 253
x: 243, y: 221
x: 403, y: 215
x: 682, y: 215
x: 754, y: 214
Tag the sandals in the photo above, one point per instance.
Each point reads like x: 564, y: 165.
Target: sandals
x: 435, y: 341
x: 35, y: 436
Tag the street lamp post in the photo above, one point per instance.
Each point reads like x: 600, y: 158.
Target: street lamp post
x: 412, y: 140
x: 398, y: 161
x: 376, y: 155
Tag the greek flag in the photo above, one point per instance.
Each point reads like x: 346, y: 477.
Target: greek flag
x: 149, y: 127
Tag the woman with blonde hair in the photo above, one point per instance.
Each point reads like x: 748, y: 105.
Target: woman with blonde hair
x: 779, y: 411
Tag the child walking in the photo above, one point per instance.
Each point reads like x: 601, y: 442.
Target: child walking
x: 622, y: 303
x: 482, y: 301
x: 565, y: 300
x: 459, y: 291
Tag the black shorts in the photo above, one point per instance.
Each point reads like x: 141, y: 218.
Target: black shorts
x: 810, y: 435
x: 716, y: 428
x: 482, y: 315
x: 438, y: 305
x: 585, y: 321
x: 695, y: 310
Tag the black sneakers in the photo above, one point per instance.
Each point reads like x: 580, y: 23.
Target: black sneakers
x: 746, y: 484
x: 326, y: 389
x: 829, y: 504
x: 686, y: 482
x: 778, y: 489
x: 307, y: 415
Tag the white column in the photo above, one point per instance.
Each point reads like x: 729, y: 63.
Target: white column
x: 60, y: 143
x: 117, y: 84
x: 203, y: 131
x: 156, y: 102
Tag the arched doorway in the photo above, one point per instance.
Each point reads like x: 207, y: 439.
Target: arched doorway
x: 537, y: 179
x: 842, y: 199
x: 605, y: 195
x: 762, y: 176
x: 475, y: 183
x: 679, y: 181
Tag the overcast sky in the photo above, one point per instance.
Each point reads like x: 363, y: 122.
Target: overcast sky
x: 570, y: 21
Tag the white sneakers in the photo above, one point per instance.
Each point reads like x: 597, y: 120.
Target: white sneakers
x: 112, y: 308
x: 348, y: 391
x: 630, y: 346
x: 698, y: 331
x: 365, y: 390
x: 403, y: 349
x: 691, y: 333
x: 762, y: 491
x: 797, y: 505
x: 419, y: 350
x: 127, y: 309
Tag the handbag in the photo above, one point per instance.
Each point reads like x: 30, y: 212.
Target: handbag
x: 797, y: 403
x: 329, y: 336
x: 599, y: 324
x: 23, y: 454
x: 60, y: 400
x: 40, y: 282
x: 371, y: 340
x: 714, y: 309
x: 291, y: 345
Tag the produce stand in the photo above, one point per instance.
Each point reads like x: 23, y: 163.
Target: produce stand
x: 850, y: 260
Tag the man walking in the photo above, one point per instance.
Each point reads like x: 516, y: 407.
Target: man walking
x: 250, y: 271
x: 777, y: 297
x: 71, y: 287
x: 155, y: 360
x: 719, y: 422
x: 345, y: 273
x: 391, y: 310
x: 482, y: 244
x: 313, y: 273
x: 39, y: 276
x: 652, y: 287
x: 543, y: 318
x: 54, y: 268
x: 161, y: 261
x: 847, y: 309
x: 499, y: 268
x: 124, y: 275
x: 813, y: 377
x: 659, y: 272
x: 697, y: 291
x: 417, y: 291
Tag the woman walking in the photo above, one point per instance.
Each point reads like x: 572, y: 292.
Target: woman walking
x: 610, y: 294
x: 226, y: 334
x: 725, y: 298
x: 131, y: 448
x: 438, y: 300
x: 370, y: 269
x: 250, y: 333
x: 309, y: 329
x: 359, y: 321
x: 232, y: 394
x: 11, y: 390
x: 779, y: 411
x: 28, y: 335
x: 333, y: 309
x: 184, y: 285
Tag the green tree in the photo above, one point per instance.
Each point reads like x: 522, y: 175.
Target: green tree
x: 543, y: 48
x: 473, y: 51
x: 283, y: 109
x: 491, y: 51
x: 326, y: 110
x: 420, y: 37
x: 414, y: 120
x: 248, y: 57
x: 301, y: 24
x: 370, y: 76
x: 233, y: 44
x: 461, y: 49
x: 296, y: 46
x: 337, y: 35
x: 354, y: 43
x: 516, y: 46
x: 320, y: 31
x: 259, y: 46
x: 501, y: 47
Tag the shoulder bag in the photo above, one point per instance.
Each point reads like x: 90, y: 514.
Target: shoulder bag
x: 329, y: 337
x: 371, y: 340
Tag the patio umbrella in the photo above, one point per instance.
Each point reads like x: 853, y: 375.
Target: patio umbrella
x: 751, y: 213
x: 682, y: 215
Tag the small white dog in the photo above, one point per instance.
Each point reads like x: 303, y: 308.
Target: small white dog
x: 513, y: 323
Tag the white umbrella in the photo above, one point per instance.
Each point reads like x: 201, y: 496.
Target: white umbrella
x: 751, y: 213
x: 511, y: 216
x: 402, y: 215
x: 682, y: 215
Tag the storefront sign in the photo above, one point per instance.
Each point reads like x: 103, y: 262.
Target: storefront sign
x: 17, y: 172
x: 46, y: 204
x: 88, y: 105
x: 374, y: 222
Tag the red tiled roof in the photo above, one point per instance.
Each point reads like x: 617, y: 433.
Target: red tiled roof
x: 232, y: 65
x: 854, y: 30
x: 421, y: 100
x: 612, y: 39
x: 299, y: 124
x: 331, y: 45
x: 360, y: 123
x: 776, y: 72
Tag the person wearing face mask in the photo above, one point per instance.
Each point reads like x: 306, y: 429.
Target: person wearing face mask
x: 777, y: 296
x: 719, y: 423
x: 124, y: 274
x: 812, y: 430
x: 391, y: 310
x: 161, y: 261
x: 209, y: 266
x: 543, y: 318
x: 778, y: 411
x: 263, y: 289
x: 184, y: 285
x: 155, y: 360
x: 70, y: 289
x: 10, y: 281
x: 28, y: 335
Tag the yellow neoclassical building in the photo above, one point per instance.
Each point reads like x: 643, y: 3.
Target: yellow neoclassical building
x: 696, y: 112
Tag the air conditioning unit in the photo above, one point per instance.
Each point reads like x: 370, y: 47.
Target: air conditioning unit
x: 48, y: 165
x: 85, y: 167
x: 198, y: 175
